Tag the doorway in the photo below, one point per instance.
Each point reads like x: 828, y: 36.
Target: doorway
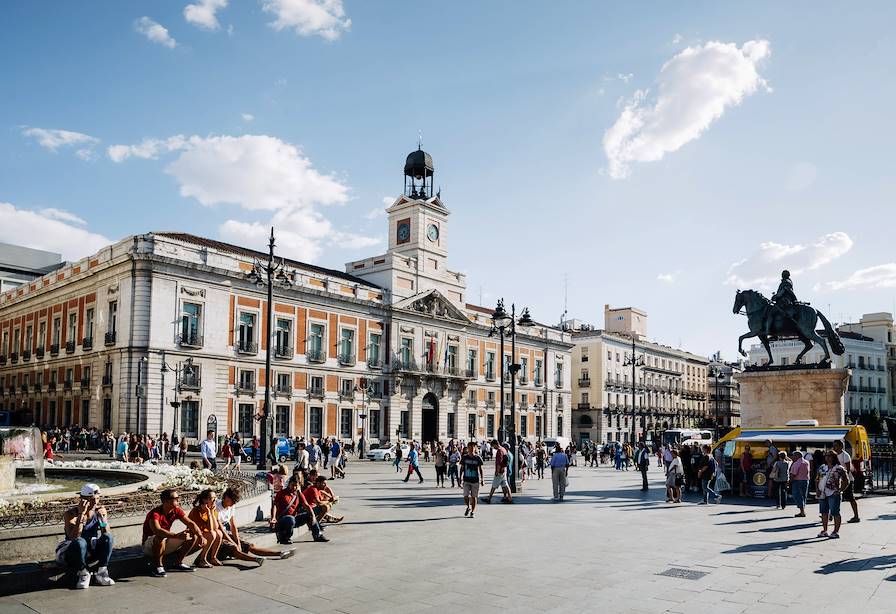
x: 430, y: 418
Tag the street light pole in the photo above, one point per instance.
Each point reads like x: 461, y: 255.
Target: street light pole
x: 634, y: 362
x: 268, y: 274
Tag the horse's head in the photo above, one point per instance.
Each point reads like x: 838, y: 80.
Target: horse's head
x: 738, y: 302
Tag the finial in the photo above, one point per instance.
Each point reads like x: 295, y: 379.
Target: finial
x: 419, y: 140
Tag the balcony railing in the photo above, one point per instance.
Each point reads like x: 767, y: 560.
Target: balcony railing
x: 851, y: 365
x: 406, y: 364
x: 538, y: 382
x: 51, y: 387
x: 70, y: 347
x: 470, y: 373
x: 584, y: 381
x: 13, y: 357
x: 583, y: 406
x: 316, y: 392
x: 523, y: 379
x: 190, y: 340
x: 246, y: 387
x: 247, y: 347
x: 110, y: 338
x: 54, y: 349
x: 87, y: 343
x: 85, y: 383
x: 190, y: 382
x: 507, y: 378
x: 346, y: 359
x: 283, y: 389
x: 373, y: 362
x: 38, y: 387
x: 24, y: 388
x: 107, y: 381
x: 26, y: 355
x: 490, y: 376
x: 283, y: 351
x: 346, y: 395
x: 67, y: 385
x: 2, y: 359
x: 316, y: 356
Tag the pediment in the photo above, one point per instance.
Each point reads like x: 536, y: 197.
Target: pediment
x: 433, y: 303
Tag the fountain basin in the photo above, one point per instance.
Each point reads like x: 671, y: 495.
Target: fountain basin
x: 65, y: 482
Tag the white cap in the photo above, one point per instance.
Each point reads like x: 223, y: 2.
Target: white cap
x: 90, y: 490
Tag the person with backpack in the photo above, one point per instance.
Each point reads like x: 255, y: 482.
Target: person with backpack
x: 706, y: 473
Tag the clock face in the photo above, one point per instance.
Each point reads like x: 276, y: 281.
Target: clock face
x: 404, y: 231
x: 432, y: 232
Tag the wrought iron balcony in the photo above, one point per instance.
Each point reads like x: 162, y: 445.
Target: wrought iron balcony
x: 523, y: 379
x: 283, y: 390
x: 470, y: 373
x: 85, y: 383
x: 54, y: 349
x: 316, y: 356
x: 70, y: 347
x: 373, y: 362
x: 246, y: 387
x: 38, y: 387
x: 405, y: 364
x: 346, y: 359
x: 67, y: 385
x: 247, y: 347
x: 538, y: 382
x: 583, y: 406
x: 107, y: 381
x: 87, y: 343
x: 190, y: 382
x: 24, y: 388
x: 507, y: 378
x: 584, y: 381
x: 881, y: 368
x: 2, y: 359
x: 13, y: 357
x: 26, y: 355
x: 190, y: 340
x: 346, y: 395
x: 316, y: 392
x: 110, y: 338
x: 51, y: 387
x: 490, y: 376
x: 283, y: 351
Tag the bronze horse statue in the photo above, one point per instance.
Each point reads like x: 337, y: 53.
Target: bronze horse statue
x: 768, y: 321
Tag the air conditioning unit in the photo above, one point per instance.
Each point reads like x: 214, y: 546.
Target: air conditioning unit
x: 802, y: 423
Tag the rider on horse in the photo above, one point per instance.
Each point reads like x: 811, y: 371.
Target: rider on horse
x: 783, y: 300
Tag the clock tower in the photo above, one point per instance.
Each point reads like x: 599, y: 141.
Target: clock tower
x: 418, y: 223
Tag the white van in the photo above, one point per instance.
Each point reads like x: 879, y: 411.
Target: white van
x: 550, y: 442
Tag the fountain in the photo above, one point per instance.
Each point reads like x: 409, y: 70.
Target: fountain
x: 18, y: 446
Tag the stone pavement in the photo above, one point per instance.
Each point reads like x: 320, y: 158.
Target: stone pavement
x: 408, y: 546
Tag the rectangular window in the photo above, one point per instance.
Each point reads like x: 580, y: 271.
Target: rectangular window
x: 558, y: 375
x: 317, y: 384
x: 452, y: 358
x: 29, y: 337
x: 537, y: 428
x: 375, y: 423
x: 538, y: 368
x: 315, y: 420
x: 471, y: 362
x: 247, y: 380
x: 245, y: 415
x: 283, y: 339
x: 345, y: 423
x: 524, y: 424
x: 57, y: 331
x: 347, y: 388
x: 16, y: 345
x: 490, y: 365
x: 113, y: 317
x: 5, y: 349
x: 559, y: 426
x: 281, y: 421
x: 41, y: 334
x: 284, y: 384
x: 72, y: 327
x: 491, y: 397
x: 373, y: 350
x: 347, y: 346
x: 89, y: 318
x: 404, y: 424
x: 316, y: 338
x: 490, y: 425
x: 451, y: 425
x: 189, y: 418
x: 471, y: 426
x: 246, y: 332
x: 191, y: 324
x: 584, y: 354
x: 407, y: 351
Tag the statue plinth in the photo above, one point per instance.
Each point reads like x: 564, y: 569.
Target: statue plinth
x: 772, y: 398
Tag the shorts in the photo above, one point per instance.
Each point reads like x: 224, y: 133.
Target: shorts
x: 228, y: 549
x: 500, y: 480
x: 471, y: 489
x: 830, y: 505
x: 171, y: 544
x: 848, y: 494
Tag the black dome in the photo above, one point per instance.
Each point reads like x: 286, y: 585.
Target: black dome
x: 418, y: 164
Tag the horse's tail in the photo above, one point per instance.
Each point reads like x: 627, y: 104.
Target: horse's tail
x: 831, y: 334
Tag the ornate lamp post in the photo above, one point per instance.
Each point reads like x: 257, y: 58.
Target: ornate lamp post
x: 634, y: 361
x: 268, y: 274
x: 717, y: 376
x: 503, y: 322
x: 366, y: 392
x: 188, y: 371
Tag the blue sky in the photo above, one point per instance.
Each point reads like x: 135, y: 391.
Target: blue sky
x: 652, y: 154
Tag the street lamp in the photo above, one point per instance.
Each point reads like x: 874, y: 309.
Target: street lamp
x: 188, y: 370
x: 366, y: 393
x: 633, y: 361
x: 502, y: 323
x: 140, y: 391
x: 718, y: 376
x: 268, y: 274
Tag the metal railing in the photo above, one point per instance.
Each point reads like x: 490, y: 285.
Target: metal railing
x: 882, y: 475
x: 87, y: 343
x: 315, y: 356
x: 69, y: 347
x: 40, y: 352
x: 247, y: 347
x: 316, y: 392
x: 283, y: 351
x: 54, y: 349
x: 346, y: 359
x: 109, y: 338
x: 190, y: 382
x: 190, y: 340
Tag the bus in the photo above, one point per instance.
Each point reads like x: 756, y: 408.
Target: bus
x: 686, y: 437
x: 803, y: 435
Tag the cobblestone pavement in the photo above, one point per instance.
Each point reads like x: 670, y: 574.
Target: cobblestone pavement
x: 606, y: 547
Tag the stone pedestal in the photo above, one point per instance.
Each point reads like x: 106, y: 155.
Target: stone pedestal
x: 7, y: 473
x: 772, y: 398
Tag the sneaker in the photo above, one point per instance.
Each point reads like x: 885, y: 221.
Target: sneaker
x: 259, y: 560
x: 102, y: 577
x: 822, y: 534
x: 320, y: 538
x: 183, y: 567
x: 718, y: 499
x: 702, y: 503
x: 834, y: 535
x: 467, y: 512
x: 83, y: 579
x: 287, y: 553
x: 158, y: 572
x: 854, y: 520
x: 471, y: 514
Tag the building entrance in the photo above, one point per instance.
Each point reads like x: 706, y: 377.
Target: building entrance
x: 430, y: 418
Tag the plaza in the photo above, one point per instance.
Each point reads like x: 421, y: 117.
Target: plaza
x: 607, y: 547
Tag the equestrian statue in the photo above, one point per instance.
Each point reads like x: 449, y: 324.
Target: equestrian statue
x: 783, y: 317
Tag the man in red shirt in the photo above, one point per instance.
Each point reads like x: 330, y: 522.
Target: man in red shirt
x: 48, y: 449
x: 159, y: 539
x: 291, y: 508
x: 320, y: 497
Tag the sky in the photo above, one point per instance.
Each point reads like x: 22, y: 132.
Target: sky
x: 650, y: 154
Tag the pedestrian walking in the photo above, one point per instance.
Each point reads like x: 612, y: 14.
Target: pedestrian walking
x: 413, y: 465
x: 397, y: 461
x: 540, y: 454
x: 707, y: 474
x: 674, y: 478
x: 471, y: 466
x: 845, y: 460
x: 830, y: 483
x: 441, y: 464
x: 502, y: 464
x: 799, y: 481
x: 642, y: 460
x: 780, y: 475
x: 209, y: 450
x: 559, y: 472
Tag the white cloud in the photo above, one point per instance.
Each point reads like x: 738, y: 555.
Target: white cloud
x: 378, y: 212
x: 694, y: 89
x: 878, y: 276
x: 801, y: 176
x: 155, y: 32
x: 676, y: 39
x: 247, y: 117
x: 147, y: 149
x: 668, y: 278
x: 764, y: 266
x: 53, y: 139
x: 202, y: 14
x: 625, y: 78
x: 324, y: 18
x: 47, y: 229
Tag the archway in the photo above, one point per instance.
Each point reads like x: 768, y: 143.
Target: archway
x: 430, y: 418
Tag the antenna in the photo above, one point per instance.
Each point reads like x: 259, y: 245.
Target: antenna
x: 480, y: 295
x: 419, y: 139
x: 565, y: 296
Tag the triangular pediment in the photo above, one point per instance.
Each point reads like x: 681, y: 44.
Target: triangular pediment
x: 433, y: 303
x: 402, y: 201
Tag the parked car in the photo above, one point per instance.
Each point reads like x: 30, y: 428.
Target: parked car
x: 286, y: 450
x: 386, y: 453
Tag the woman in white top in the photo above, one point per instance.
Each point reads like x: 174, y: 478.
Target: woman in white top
x: 676, y: 469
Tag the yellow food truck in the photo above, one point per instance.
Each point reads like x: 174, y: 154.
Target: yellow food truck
x: 803, y: 435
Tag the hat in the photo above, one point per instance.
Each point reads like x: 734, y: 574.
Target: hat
x: 90, y: 490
